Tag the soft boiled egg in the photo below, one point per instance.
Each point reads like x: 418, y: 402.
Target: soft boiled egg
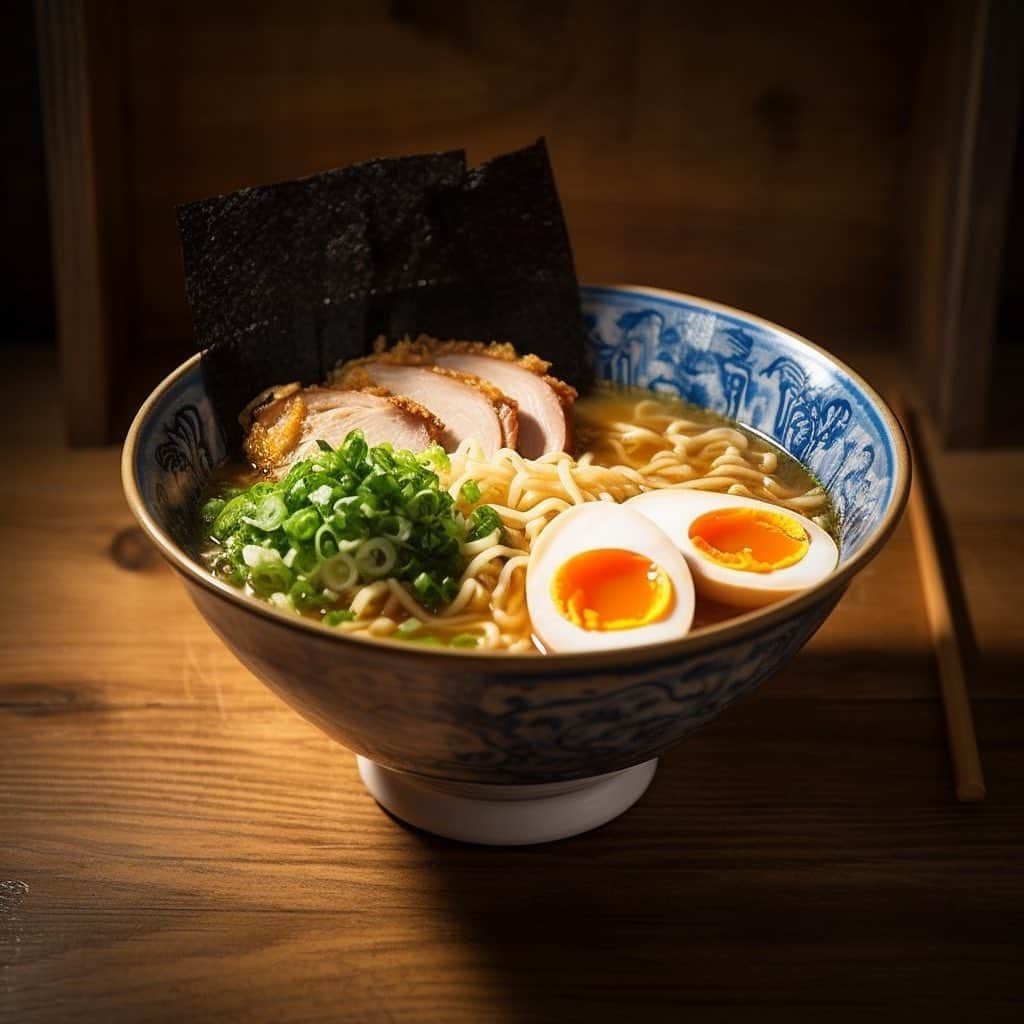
x: 741, y: 551
x: 602, y: 576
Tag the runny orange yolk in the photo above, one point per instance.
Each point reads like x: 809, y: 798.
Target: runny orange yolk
x: 749, y: 539
x: 610, y: 588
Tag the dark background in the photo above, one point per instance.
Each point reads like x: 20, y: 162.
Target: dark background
x: 767, y: 156
x: 26, y: 279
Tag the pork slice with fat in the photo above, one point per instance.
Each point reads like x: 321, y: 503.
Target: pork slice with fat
x: 468, y: 406
x: 543, y: 424
x: 286, y: 425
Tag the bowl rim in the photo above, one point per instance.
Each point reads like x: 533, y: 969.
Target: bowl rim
x: 738, y: 629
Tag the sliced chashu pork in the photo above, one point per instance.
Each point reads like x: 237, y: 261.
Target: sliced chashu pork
x: 544, y: 402
x: 469, y: 406
x: 284, y: 424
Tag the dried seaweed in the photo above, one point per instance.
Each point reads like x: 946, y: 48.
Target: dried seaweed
x: 284, y: 280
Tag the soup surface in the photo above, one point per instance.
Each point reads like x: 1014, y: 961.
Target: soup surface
x: 627, y: 443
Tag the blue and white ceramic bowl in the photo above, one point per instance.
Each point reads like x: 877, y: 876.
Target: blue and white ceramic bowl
x: 507, y: 719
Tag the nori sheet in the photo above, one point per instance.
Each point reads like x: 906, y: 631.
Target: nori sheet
x: 285, y: 280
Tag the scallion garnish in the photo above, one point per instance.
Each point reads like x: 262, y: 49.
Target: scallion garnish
x: 343, y: 518
x: 375, y: 558
x: 483, y: 522
x: 269, y: 514
x: 210, y: 511
x: 340, y: 615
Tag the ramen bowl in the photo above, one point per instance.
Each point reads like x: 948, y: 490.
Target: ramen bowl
x: 506, y: 748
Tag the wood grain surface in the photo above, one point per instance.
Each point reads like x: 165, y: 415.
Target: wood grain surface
x: 175, y: 844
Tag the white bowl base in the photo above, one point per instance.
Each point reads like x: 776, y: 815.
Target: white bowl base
x: 506, y: 815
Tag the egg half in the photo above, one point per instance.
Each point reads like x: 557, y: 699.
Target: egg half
x: 602, y: 576
x: 741, y: 551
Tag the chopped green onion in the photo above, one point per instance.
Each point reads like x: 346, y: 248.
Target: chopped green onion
x: 396, y: 528
x: 339, y: 572
x: 336, y: 617
x: 425, y: 587
x: 325, y: 542
x: 302, y: 524
x: 437, y: 457
x: 305, y: 562
x: 230, y: 516
x: 322, y: 495
x: 375, y: 558
x: 282, y: 601
x: 424, y: 504
x: 340, y: 507
x: 354, y: 447
x: 304, y: 595
x: 269, y: 514
x: 449, y: 588
x: 265, y: 579
x: 226, y: 569
x: 347, y: 516
x: 483, y: 522
x: 210, y: 511
x: 256, y: 556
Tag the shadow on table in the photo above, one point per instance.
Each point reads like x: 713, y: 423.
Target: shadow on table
x: 787, y: 856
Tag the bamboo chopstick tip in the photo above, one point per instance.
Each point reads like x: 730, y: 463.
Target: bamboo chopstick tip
x: 970, y: 792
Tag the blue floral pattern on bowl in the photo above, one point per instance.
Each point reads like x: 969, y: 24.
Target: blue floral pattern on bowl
x: 731, y: 364
x: 176, y: 455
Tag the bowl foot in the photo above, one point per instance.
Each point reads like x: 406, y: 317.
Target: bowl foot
x: 506, y: 815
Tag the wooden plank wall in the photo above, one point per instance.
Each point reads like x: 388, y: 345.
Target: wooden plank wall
x: 76, y: 219
x: 748, y: 152
x: 970, y: 101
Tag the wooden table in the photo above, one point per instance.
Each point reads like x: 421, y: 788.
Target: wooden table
x: 176, y: 844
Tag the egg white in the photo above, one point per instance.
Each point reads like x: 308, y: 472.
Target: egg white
x: 673, y: 510
x: 589, y: 527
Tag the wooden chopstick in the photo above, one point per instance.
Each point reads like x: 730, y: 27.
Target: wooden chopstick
x: 946, y: 639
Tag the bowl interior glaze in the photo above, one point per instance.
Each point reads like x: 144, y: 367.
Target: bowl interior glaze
x: 766, y: 378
